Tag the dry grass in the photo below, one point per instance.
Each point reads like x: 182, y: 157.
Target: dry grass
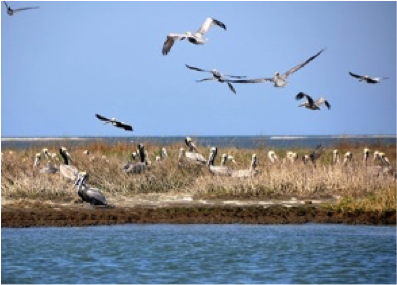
x: 20, y: 180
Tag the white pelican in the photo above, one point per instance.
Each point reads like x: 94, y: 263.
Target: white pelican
x: 11, y: 12
x: 277, y: 79
x: 67, y: 170
x: 89, y: 195
x: 252, y: 171
x: 310, y: 104
x: 272, y: 157
x: 216, y: 75
x: 197, y: 38
x: 217, y: 170
x: 366, y: 78
x: 115, y: 123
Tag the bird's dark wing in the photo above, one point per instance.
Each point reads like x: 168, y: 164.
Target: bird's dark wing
x: 235, y: 76
x: 26, y: 8
x: 5, y: 3
x: 169, y: 42
x: 299, y: 66
x: 101, y: 117
x: 123, y: 125
x: 300, y: 95
x: 205, y: 79
x: 208, y: 23
x: 219, y: 23
x: 231, y: 87
x: 327, y: 104
x: 197, y: 69
x: 356, y: 76
x: 259, y: 80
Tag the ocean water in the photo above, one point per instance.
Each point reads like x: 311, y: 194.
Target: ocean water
x: 309, y: 253
x: 247, y: 142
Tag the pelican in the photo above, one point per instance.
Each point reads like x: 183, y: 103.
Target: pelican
x: 217, y: 170
x: 49, y: 168
x: 272, y: 157
x: 310, y: 104
x: 252, y: 171
x: 89, y: 195
x: 191, y: 157
x: 277, y: 79
x: 366, y: 78
x: 11, y: 12
x: 189, y: 142
x: 216, y: 75
x: 291, y: 156
x: 316, y: 154
x: 86, y: 152
x: 193, y: 153
x: 115, y: 123
x: 305, y: 158
x: 335, y: 156
x: 196, y: 38
x: 139, y: 167
x: 383, y: 158
x: 46, y: 153
x: 164, y: 153
x: 67, y: 170
x: 347, y: 157
x: 366, y: 155
x: 37, y: 160
x: 226, y: 157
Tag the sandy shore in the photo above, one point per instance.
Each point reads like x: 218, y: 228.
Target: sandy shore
x: 182, y: 209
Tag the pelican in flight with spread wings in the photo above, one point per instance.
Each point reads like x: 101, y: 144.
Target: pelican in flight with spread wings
x: 279, y: 80
x: 216, y: 75
x: 11, y: 12
x: 368, y: 79
x: 310, y: 104
x: 115, y: 123
x: 197, y: 38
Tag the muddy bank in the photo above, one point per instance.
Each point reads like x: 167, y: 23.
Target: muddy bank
x: 43, y: 215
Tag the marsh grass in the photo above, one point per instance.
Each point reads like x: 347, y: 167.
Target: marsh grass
x: 105, y: 167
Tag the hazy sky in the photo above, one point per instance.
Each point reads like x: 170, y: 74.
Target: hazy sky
x: 66, y: 61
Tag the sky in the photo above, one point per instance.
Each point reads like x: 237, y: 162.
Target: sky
x: 67, y: 61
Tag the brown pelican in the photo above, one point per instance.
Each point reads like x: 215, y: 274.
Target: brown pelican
x: 11, y: 12
x: 335, y: 156
x: 49, y: 168
x: 252, y: 171
x: 46, y: 154
x: 291, y: 156
x: 310, y: 104
x: 277, y: 79
x: 139, y: 167
x: 305, y: 158
x: 382, y: 157
x: 37, y: 160
x: 226, y: 157
x: 216, y: 75
x: 217, y: 170
x: 193, y: 153
x: 197, y: 38
x: 191, y: 157
x: 272, y: 157
x: 67, y: 170
x: 86, y: 152
x: 366, y: 78
x: 89, y: 195
x: 316, y: 154
x: 347, y: 157
x: 366, y: 155
x: 164, y: 153
x: 385, y: 168
x: 115, y: 123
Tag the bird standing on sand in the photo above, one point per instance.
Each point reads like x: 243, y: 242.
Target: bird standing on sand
x: 366, y: 78
x: 11, y: 12
x: 89, y: 195
x: 115, y: 123
x: 310, y: 104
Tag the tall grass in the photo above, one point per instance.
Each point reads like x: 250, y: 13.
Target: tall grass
x: 105, y: 167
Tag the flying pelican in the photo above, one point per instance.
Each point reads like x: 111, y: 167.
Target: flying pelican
x: 252, y: 171
x: 347, y: 157
x: 67, y: 170
x: 368, y: 79
x: 226, y: 157
x: 115, y: 123
x: 335, y: 156
x: 89, y: 195
x: 310, y: 104
x: 272, y: 157
x: 277, y: 79
x: 366, y: 155
x: 37, y: 160
x: 196, y: 38
x: 216, y: 75
x: 217, y: 170
x: 11, y: 12
x: 139, y: 167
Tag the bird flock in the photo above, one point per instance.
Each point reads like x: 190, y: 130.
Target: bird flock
x: 192, y: 155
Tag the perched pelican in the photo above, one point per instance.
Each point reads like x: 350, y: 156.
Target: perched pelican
x: 164, y: 153
x: 383, y: 158
x: 217, y: 170
x: 305, y: 158
x: 67, y: 170
x: 277, y: 79
x: 89, y: 195
x: 291, y: 156
x: 189, y: 142
x: 115, y: 123
x: 316, y: 154
x: 368, y: 79
x: 139, y: 167
x: 272, y: 157
x: 86, y: 152
x: 310, y: 104
x: 366, y: 155
x: 347, y: 157
x: 335, y: 156
x: 196, y: 38
x: 385, y: 168
x: 191, y: 157
x: 252, y: 171
x: 193, y: 153
x: 49, y: 168
x: 46, y: 153
x: 11, y: 12
x: 37, y: 160
x: 216, y: 75
x: 226, y: 157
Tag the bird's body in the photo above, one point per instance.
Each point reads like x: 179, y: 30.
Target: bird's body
x: 49, y: 168
x: 197, y: 38
x: 133, y: 167
x: 279, y: 80
x: 67, y: 170
x: 191, y: 157
x: 368, y: 79
x: 316, y: 154
x: 89, y: 195
x: 12, y: 12
x: 310, y: 103
x: 217, y: 170
x: 115, y: 122
x: 250, y: 172
x: 217, y: 76
x: 37, y: 160
x: 335, y: 157
x: 347, y: 157
x: 271, y: 155
x: 366, y: 155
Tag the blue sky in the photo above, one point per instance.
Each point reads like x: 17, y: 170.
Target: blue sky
x: 67, y: 61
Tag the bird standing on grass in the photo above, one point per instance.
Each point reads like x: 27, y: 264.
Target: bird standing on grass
x: 67, y: 170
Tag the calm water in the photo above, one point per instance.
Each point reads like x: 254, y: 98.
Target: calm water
x: 200, y: 254
x: 248, y: 142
